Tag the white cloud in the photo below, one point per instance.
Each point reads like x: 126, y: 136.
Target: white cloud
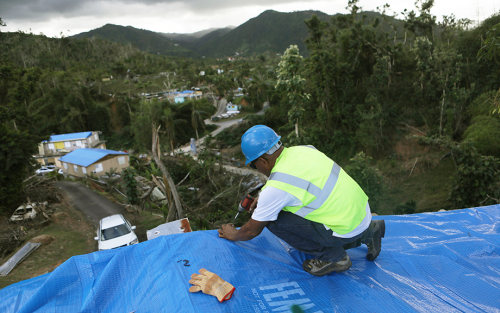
x: 55, y: 16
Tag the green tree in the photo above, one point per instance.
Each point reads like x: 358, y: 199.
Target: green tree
x: 197, y: 117
x: 18, y: 138
x: 476, y: 182
x: 490, y: 51
x: 147, y: 114
x: 170, y: 125
x: 130, y: 185
x: 423, y: 24
x: 292, y: 84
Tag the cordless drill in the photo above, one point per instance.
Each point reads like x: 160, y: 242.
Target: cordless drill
x: 244, y: 205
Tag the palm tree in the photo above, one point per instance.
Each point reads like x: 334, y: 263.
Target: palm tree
x: 197, y: 118
x: 170, y: 122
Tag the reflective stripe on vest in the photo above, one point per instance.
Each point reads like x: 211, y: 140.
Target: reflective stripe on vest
x: 320, y: 194
x: 328, y: 194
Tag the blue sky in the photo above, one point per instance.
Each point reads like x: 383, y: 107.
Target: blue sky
x: 69, y: 17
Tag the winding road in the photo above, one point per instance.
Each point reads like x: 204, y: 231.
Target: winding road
x: 221, y: 108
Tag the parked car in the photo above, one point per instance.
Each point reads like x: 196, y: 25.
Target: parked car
x: 52, y: 166
x: 60, y: 171
x: 44, y: 170
x: 23, y: 212
x: 115, y: 232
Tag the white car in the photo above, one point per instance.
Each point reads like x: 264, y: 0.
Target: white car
x: 114, y: 232
x: 44, y: 170
x: 23, y: 212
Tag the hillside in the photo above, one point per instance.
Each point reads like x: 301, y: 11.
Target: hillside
x: 194, y: 37
x: 270, y: 32
x: 142, y: 39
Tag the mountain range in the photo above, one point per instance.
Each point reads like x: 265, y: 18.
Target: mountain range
x: 270, y: 32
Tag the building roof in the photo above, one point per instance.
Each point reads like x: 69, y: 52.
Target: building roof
x: 72, y: 136
x: 85, y: 156
x: 430, y: 262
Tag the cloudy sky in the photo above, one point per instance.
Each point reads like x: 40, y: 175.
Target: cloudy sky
x: 51, y: 17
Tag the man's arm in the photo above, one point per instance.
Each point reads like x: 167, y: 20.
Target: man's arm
x: 250, y: 230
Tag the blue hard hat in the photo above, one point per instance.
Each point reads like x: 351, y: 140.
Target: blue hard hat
x: 258, y: 140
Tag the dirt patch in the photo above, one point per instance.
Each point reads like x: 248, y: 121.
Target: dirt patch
x: 43, y: 239
x: 416, y: 158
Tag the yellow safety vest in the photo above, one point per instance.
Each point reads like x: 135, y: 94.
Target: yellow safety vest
x: 329, y: 196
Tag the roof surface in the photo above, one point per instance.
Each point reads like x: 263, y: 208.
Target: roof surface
x: 430, y: 262
x: 72, y: 136
x: 86, y: 156
x: 112, y: 221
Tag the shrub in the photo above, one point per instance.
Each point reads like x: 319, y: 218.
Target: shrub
x: 483, y: 104
x: 485, y: 132
x: 368, y: 178
x: 409, y: 207
x: 476, y: 182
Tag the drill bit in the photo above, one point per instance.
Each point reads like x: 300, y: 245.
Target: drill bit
x: 236, y: 216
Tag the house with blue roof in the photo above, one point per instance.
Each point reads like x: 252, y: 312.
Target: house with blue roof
x: 190, y: 94
x: 85, y: 161
x: 50, y: 150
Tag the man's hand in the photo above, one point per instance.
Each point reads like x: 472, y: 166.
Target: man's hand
x: 248, y: 231
x: 227, y: 231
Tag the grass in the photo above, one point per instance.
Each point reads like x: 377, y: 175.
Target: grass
x: 150, y: 220
x: 429, y: 187
x: 73, y: 235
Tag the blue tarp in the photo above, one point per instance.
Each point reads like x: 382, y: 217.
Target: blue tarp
x: 430, y: 262
x: 71, y: 136
x: 86, y: 156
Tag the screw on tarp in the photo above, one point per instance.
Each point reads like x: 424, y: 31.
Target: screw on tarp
x: 186, y: 262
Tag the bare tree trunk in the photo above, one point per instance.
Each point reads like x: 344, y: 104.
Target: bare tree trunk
x: 172, y: 147
x: 166, y: 175
x: 441, y: 119
x: 297, y: 128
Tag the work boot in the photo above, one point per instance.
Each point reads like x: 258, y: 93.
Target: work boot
x: 375, y: 244
x: 321, y: 268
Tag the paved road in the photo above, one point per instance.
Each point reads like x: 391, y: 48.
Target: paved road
x: 222, y: 125
x: 93, y: 205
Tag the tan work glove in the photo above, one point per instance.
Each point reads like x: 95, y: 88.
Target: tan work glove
x: 211, y: 284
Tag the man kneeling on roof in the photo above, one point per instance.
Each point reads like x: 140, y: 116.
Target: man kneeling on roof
x: 309, y: 202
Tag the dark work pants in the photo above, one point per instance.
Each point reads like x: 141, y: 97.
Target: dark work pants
x: 313, y: 238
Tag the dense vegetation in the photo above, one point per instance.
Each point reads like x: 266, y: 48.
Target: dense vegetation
x: 145, y: 40
x: 367, y: 82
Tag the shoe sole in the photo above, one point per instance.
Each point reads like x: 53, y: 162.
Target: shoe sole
x: 382, y: 235
x: 383, y: 229
x: 330, y: 270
